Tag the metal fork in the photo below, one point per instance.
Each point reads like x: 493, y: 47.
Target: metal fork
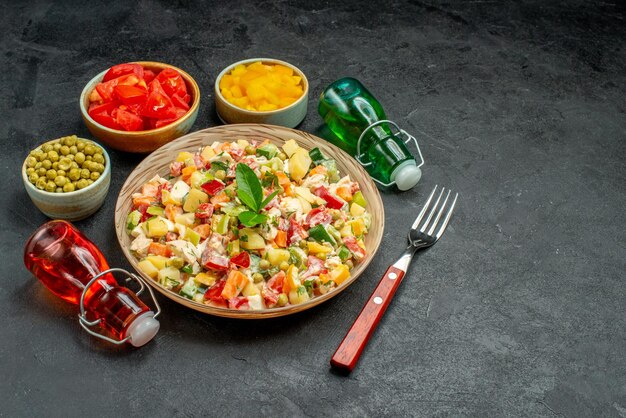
x: 422, y: 235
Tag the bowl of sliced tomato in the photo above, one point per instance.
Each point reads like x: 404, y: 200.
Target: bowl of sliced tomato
x: 140, y: 106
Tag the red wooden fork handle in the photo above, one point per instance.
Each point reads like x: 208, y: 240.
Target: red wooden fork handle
x: 349, y: 351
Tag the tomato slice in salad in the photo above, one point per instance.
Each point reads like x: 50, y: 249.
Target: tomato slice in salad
x: 212, y: 260
x: 213, y: 187
x: 242, y: 260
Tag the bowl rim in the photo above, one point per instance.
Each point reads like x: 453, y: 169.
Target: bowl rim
x: 228, y: 104
x: 106, y: 173
x: 235, y: 313
x: 188, y: 78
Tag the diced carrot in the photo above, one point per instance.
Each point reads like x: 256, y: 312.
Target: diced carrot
x: 344, y: 192
x: 281, y: 239
x: 172, y: 210
x: 284, y: 182
x: 235, y: 282
x: 204, y: 230
x: 159, y: 249
x: 143, y: 200
x: 187, y: 171
x: 220, y: 198
x: 320, y: 169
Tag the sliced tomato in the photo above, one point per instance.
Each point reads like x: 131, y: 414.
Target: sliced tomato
x: 105, y: 118
x: 179, y: 102
x: 128, y: 121
x: 204, y: 211
x: 131, y: 94
x: 94, y: 96
x: 102, y: 108
x: 187, y: 98
x: 296, y: 232
x: 269, y: 296
x: 106, y: 90
x: 354, y: 247
x: 172, y: 82
x: 213, y: 187
x: 179, y: 113
x: 332, y: 201
x: 239, y: 302
x: 242, y: 260
x: 124, y: 69
x: 148, y: 75
x: 158, y: 105
x: 317, y: 216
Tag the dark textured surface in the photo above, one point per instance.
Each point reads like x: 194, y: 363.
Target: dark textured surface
x: 518, y: 311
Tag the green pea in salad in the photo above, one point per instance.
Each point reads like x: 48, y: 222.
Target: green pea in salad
x: 249, y: 226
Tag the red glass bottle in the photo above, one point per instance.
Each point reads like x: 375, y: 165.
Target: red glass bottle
x: 65, y: 261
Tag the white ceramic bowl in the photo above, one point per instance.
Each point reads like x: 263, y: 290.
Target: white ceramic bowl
x: 75, y: 205
x: 289, y: 116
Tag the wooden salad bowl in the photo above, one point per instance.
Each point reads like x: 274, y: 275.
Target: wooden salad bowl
x: 158, y: 163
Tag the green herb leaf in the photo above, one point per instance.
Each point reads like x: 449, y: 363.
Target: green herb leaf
x: 268, y: 199
x: 187, y: 269
x: 219, y: 165
x: 249, y: 187
x: 251, y: 219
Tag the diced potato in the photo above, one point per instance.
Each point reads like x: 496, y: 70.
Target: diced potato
x: 170, y: 273
x: 196, y: 179
x: 255, y: 302
x: 206, y: 279
x: 194, y: 199
x: 242, y: 143
x: 252, y: 240
x: 306, y: 206
x: 298, y: 296
x: 184, y: 156
x: 290, y: 147
x: 277, y: 255
x: 250, y: 290
x: 356, y: 210
x: 305, y: 193
x: 346, y: 231
x: 179, y: 190
x: 167, y: 199
x: 156, y: 228
x: 207, y: 153
x: 147, y: 267
x: 292, y: 281
x: 299, y: 164
x: 186, y: 219
x: 157, y: 261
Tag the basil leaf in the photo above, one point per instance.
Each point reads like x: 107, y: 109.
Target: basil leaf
x: 248, y: 185
x: 251, y: 219
x: 268, y: 199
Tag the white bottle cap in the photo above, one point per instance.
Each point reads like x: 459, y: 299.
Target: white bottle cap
x: 143, y: 329
x: 406, y: 175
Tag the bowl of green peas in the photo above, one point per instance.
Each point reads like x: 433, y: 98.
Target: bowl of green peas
x: 67, y: 178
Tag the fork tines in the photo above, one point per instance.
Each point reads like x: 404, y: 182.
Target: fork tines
x: 439, y: 213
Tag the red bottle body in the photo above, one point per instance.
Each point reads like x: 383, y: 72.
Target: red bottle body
x: 64, y: 260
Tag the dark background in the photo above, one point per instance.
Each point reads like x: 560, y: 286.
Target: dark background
x: 518, y: 311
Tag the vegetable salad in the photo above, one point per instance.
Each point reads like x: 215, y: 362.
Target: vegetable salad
x: 245, y: 225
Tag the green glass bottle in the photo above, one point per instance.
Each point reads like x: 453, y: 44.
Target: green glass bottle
x: 352, y: 113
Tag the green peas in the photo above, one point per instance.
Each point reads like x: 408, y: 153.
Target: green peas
x: 349, y: 264
x: 282, y: 156
x: 82, y: 183
x: 79, y: 158
x: 220, y: 174
x: 74, y: 174
x: 282, y: 299
x: 65, y: 163
x: 264, y: 264
x: 60, y: 181
x: 41, y: 183
x: 257, y: 277
x: 250, y: 150
x: 51, y: 187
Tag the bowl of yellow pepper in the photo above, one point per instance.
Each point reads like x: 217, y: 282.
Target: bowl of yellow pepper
x: 262, y: 90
